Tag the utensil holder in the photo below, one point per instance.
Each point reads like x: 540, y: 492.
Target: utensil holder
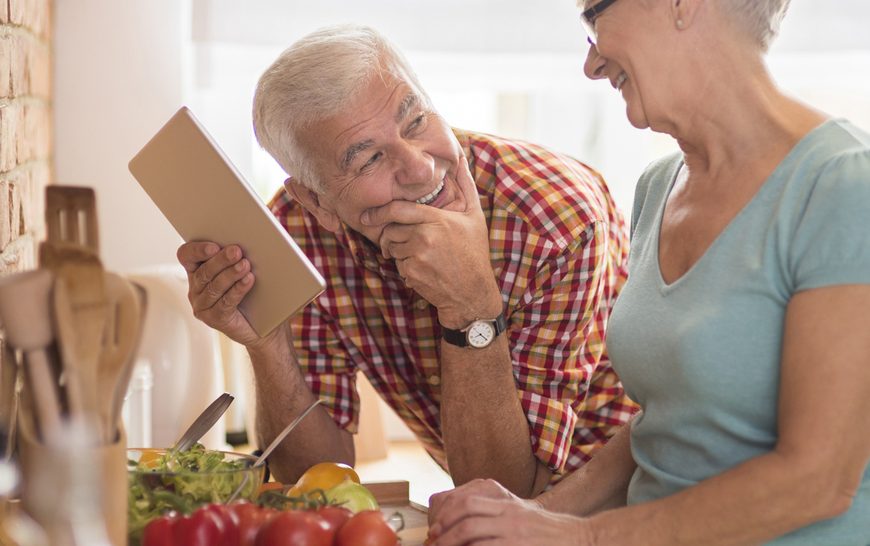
x: 77, y: 493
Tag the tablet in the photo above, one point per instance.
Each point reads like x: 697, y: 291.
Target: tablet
x: 206, y: 199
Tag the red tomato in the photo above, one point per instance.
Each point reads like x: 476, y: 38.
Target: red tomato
x: 250, y: 519
x: 295, y: 528
x: 158, y: 532
x: 367, y: 528
x: 201, y: 528
x: 335, y: 516
x: 229, y: 520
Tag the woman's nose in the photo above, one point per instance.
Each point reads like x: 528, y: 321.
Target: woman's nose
x: 595, y: 63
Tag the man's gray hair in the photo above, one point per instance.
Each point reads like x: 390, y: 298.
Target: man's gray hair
x: 313, y: 79
x: 760, y: 19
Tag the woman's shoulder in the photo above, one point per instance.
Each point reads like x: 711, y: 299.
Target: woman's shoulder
x: 656, y: 178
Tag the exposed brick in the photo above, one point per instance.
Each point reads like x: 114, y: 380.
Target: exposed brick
x: 19, y: 75
x: 33, y: 211
x: 8, y: 136
x: 5, y: 64
x: 16, y: 11
x: 38, y: 13
x: 25, y: 128
x: 18, y: 256
x: 39, y: 71
x: 34, y: 138
x: 47, y: 21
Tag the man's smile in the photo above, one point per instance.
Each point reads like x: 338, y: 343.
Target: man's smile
x: 428, y: 198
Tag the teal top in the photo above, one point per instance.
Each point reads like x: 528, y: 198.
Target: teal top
x: 702, y: 355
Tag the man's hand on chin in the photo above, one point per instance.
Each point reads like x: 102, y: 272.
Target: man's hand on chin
x: 443, y: 255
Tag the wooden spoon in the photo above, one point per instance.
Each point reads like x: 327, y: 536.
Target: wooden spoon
x: 71, y: 252
x: 24, y: 307
x: 120, y: 341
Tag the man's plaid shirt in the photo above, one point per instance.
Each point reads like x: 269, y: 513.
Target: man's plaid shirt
x: 558, y: 248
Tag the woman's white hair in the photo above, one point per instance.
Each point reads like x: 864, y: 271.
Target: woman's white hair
x: 760, y: 19
x: 313, y: 79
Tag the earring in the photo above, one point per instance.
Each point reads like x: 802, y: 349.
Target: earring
x: 679, y: 23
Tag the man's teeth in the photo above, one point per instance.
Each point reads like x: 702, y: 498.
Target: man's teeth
x: 620, y: 80
x: 426, y: 199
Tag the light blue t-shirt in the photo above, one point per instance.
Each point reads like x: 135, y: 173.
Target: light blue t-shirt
x: 702, y: 355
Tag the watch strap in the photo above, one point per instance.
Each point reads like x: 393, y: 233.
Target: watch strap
x: 459, y: 338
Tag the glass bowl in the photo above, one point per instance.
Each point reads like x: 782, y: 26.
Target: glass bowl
x: 196, y: 477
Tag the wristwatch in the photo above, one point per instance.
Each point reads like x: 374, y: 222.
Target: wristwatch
x: 478, y: 334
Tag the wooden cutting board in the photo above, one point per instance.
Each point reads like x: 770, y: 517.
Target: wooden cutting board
x: 394, y: 497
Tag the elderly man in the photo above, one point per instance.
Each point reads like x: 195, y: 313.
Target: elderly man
x: 469, y: 277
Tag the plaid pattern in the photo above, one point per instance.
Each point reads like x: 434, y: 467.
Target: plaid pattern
x: 558, y: 248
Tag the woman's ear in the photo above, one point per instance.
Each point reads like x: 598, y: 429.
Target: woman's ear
x: 683, y: 12
x: 313, y: 203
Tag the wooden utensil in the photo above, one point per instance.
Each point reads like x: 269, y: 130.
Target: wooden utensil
x: 24, y: 307
x: 65, y: 332
x: 71, y: 252
x: 8, y: 396
x: 123, y: 331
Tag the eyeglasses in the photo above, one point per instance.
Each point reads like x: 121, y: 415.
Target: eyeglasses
x: 588, y: 17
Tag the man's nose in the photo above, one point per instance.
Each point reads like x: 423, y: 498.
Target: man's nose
x: 414, y: 165
x: 595, y: 63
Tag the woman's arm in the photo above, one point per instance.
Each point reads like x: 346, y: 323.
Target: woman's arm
x: 811, y: 475
x: 600, y: 484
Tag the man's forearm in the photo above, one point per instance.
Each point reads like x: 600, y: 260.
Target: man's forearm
x: 486, y: 433
x: 282, y: 395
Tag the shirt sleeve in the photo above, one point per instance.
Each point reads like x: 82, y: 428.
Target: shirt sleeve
x: 831, y: 243
x: 557, y: 339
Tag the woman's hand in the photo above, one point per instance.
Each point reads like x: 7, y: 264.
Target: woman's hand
x: 484, y: 512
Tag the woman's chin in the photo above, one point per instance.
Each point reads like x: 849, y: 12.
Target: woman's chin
x: 636, y: 119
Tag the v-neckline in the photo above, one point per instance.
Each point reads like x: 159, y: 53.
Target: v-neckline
x: 762, y: 189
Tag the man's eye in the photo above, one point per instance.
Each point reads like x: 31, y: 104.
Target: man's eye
x: 372, y: 160
x: 418, y: 121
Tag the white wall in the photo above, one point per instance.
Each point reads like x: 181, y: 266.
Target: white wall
x: 121, y: 69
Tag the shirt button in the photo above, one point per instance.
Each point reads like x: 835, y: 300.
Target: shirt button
x: 421, y: 304
x: 434, y: 380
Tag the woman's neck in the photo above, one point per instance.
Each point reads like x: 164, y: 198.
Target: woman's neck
x: 738, y: 121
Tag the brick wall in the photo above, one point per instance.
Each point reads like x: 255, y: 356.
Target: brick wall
x: 25, y: 128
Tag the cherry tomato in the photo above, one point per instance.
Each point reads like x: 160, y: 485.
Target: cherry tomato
x: 250, y: 519
x: 368, y: 528
x: 323, y: 476
x: 204, y: 527
x: 334, y: 516
x: 295, y: 528
x: 229, y: 522
x: 158, y: 532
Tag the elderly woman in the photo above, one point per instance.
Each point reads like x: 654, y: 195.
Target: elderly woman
x: 743, y: 329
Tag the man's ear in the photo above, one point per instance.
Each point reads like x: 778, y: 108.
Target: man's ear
x: 311, y: 201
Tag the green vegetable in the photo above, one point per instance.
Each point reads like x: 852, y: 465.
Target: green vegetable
x: 183, y: 481
x: 353, y: 496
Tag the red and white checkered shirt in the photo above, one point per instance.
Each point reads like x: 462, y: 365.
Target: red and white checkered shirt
x: 558, y: 247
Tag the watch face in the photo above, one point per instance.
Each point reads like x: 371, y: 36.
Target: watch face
x: 480, y: 334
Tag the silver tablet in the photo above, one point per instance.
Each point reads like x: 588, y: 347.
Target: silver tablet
x: 206, y: 199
